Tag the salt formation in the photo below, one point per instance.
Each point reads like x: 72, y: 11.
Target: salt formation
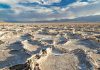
x: 42, y: 31
x: 59, y: 39
x: 48, y: 62
x: 49, y: 47
x: 29, y: 47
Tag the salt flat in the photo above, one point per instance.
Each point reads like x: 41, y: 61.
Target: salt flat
x: 71, y: 47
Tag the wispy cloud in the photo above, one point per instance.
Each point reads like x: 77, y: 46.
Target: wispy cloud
x: 40, y: 10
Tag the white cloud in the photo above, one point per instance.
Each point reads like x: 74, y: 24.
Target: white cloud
x: 33, y: 13
x: 45, y: 2
x: 85, y: 10
x: 79, y: 4
x: 11, y: 2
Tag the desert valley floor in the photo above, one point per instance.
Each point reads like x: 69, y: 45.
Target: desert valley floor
x: 74, y: 46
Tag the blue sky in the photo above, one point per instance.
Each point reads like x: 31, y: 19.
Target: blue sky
x: 47, y: 10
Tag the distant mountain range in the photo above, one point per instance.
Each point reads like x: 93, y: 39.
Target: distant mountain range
x: 80, y: 19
